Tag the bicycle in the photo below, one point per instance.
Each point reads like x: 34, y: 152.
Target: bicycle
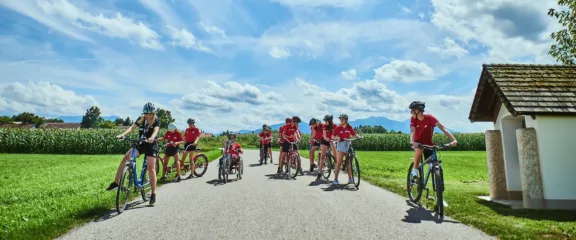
x: 264, y: 154
x: 329, y: 161
x: 132, y: 176
x: 184, y: 167
x: 351, y: 155
x: 435, y: 166
x: 226, y: 166
x: 294, y: 161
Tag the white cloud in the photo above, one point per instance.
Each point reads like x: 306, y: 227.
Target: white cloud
x: 404, y: 71
x: 449, y: 49
x: 322, y: 3
x: 350, y: 74
x: 421, y: 15
x: 30, y: 9
x: 212, y: 29
x: 277, y: 52
x: 43, y: 97
x: 185, y: 39
x: 163, y: 10
x: 117, y: 26
x: 404, y: 9
x: 509, y: 29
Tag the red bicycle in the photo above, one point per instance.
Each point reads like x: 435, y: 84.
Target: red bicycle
x: 292, y: 166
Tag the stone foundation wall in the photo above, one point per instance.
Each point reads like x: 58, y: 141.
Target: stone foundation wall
x: 495, y: 159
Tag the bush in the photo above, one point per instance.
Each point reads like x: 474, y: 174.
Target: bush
x: 102, y: 141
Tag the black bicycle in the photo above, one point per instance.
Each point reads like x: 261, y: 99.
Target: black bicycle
x: 434, y: 166
x: 350, y: 158
x: 328, y: 163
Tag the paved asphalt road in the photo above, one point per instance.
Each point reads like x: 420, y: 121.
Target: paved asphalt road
x: 260, y: 206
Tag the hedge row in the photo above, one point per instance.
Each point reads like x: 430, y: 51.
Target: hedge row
x: 102, y: 141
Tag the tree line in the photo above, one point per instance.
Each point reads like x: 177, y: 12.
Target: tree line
x: 28, y: 118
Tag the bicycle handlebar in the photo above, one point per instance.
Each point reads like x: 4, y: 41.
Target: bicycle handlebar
x: 135, y: 140
x: 434, y: 147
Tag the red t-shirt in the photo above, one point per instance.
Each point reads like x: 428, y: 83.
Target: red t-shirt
x: 265, y: 134
x: 424, y: 129
x: 289, y: 132
x: 191, y: 134
x: 173, y: 137
x: 318, y: 131
x: 280, y: 131
x: 344, y: 132
x: 235, y: 148
x: 329, y: 133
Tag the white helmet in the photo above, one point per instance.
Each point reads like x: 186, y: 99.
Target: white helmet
x: 171, y: 126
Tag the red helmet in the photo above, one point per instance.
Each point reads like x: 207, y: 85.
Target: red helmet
x: 288, y: 120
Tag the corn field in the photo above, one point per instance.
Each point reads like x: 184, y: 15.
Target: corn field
x: 102, y: 141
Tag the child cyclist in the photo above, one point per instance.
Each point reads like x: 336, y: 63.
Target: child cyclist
x: 421, y: 132
x: 341, y: 134
x: 174, y: 138
x: 191, y: 135
x: 266, y: 142
x: 235, y: 149
x: 316, y: 133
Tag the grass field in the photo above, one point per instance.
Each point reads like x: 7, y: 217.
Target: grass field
x: 466, y: 177
x: 42, y: 196
x: 45, y: 195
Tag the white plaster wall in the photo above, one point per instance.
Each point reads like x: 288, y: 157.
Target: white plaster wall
x: 556, y: 137
x: 508, y: 124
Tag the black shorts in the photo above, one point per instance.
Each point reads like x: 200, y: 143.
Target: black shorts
x: 171, y: 151
x: 316, y: 144
x: 286, y: 146
x: 268, y: 145
x: 189, y: 147
x: 325, y: 143
x: 427, y: 153
x: 148, y: 149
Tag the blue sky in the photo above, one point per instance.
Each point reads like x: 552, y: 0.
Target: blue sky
x: 239, y: 64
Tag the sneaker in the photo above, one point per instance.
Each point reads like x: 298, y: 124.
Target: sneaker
x: 318, y: 176
x: 336, y: 181
x: 112, y: 186
x: 190, y: 176
x: 178, y: 179
x: 152, y: 199
x: 350, y: 181
x: 279, y: 171
x: 415, y: 172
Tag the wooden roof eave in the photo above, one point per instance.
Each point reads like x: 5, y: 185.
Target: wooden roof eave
x: 477, y: 97
x: 501, y: 95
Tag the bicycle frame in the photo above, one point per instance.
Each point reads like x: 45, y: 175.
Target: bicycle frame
x: 132, y: 163
x: 434, y: 164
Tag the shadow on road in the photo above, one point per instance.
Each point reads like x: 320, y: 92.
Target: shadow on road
x: 217, y: 182
x: 277, y: 176
x: 254, y: 165
x: 130, y: 206
x: 333, y: 187
x: 417, y: 214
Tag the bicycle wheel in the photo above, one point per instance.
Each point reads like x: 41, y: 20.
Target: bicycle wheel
x: 355, y: 171
x: 146, y: 186
x: 326, y: 168
x: 262, y: 155
x: 439, y: 190
x: 123, y: 192
x: 294, y: 165
x: 225, y: 170
x: 413, y: 188
x: 239, y: 170
x: 202, y: 164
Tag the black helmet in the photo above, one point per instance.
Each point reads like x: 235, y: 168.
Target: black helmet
x: 312, y: 122
x: 417, y: 105
x: 264, y: 126
x: 328, y: 117
x: 343, y: 115
x: 231, y: 135
x: 148, y: 108
x: 190, y: 120
x: 296, y: 119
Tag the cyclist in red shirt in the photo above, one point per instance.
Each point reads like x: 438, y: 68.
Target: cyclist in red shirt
x: 316, y: 133
x: 341, y: 134
x: 281, y: 142
x: 421, y: 132
x: 235, y: 150
x: 266, y: 142
x: 327, y: 129
x: 192, y: 135
x: 290, y: 132
x: 174, y: 138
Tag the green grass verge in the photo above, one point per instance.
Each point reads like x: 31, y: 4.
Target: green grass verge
x: 43, y: 196
x: 466, y: 177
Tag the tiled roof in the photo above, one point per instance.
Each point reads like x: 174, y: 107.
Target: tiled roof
x: 524, y: 89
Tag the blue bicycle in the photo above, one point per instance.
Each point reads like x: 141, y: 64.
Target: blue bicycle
x: 130, y: 177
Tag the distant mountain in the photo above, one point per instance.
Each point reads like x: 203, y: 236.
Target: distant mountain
x: 389, y: 124
x: 77, y: 119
